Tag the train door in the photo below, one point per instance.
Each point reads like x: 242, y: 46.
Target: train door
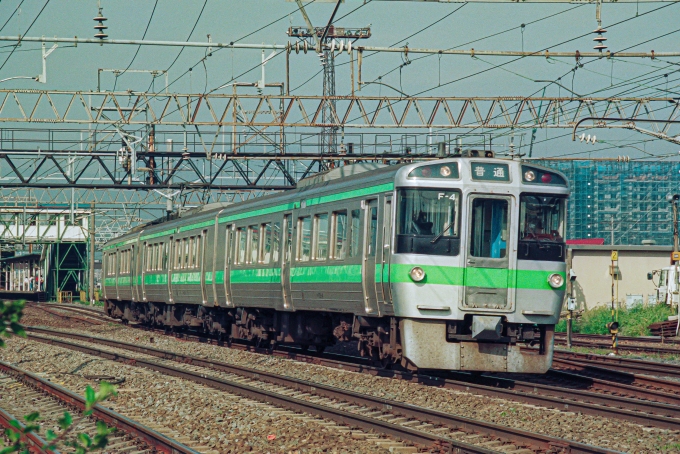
x: 487, y: 275
x: 286, y: 257
x: 116, y: 271
x: 383, y: 280
x: 203, y: 257
x: 228, y: 251
x: 134, y: 252
x: 146, y: 261
x: 170, y: 261
x: 369, y: 256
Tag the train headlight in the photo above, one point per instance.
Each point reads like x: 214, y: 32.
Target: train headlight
x: 417, y: 274
x: 556, y: 280
x: 529, y: 175
x: 445, y: 171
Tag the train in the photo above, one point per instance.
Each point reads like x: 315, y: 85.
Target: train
x: 452, y: 264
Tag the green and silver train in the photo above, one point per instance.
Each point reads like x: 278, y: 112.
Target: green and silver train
x: 452, y: 264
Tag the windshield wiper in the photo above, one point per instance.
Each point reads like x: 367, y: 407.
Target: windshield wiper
x: 446, y: 227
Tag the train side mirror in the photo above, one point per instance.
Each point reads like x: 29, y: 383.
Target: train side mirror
x: 572, y: 275
x: 650, y: 276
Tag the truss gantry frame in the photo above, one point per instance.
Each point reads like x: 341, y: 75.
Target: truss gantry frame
x: 282, y: 111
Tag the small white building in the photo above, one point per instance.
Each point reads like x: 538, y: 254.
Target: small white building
x: 592, y: 265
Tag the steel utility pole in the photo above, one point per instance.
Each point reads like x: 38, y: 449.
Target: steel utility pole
x: 92, y: 245
x: 325, y: 40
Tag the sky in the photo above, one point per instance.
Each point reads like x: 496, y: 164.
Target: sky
x: 641, y: 26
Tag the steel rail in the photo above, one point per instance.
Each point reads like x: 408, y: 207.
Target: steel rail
x: 34, y: 441
x: 93, y: 314
x: 607, y: 337
x: 646, y: 392
x: 403, y: 409
x: 659, y: 414
x: 67, y: 317
x: 158, y: 441
x: 618, y: 363
x: 622, y: 347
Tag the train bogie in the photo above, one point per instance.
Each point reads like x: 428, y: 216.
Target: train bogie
x: 455, y: 264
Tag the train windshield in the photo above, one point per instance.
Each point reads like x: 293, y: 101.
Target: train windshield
x: 542, y: 218
x: 428, y: 212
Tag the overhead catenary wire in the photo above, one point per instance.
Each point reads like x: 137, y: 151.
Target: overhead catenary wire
x: 27, y: 30
x: 11, y: 15
x: 139, y: 47
x: 516, y: 59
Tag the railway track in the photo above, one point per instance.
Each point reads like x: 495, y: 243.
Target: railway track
x: 26, y: 392
x: 605, y: 343
x: 606, y: 337
x: 584, y: 388
x: 566, y: 359
x: 84, y: 318
x: 418, y: 425
x: 608, y: 399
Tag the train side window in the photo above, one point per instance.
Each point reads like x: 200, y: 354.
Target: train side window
x: 288, y: 241
x: 489, y: 232
x: 321, y: 236
x: 304, y: 239
x: 177, y: 261
x: 166, y: 246
x: 197, y: 250
x: 339, y: 235
x: 242, y: 244
x: 266, y: 243
x: 254, y: 243
x: 276, y: 241
x: 372, y: 231
x: 355, y: 245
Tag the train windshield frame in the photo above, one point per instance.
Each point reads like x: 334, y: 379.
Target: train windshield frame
x: 542, y: 224
x: 428, y: 221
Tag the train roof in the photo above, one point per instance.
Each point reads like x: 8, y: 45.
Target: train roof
x: 354, y: 176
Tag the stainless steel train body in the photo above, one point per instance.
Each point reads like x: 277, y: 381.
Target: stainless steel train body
x: 452, y: 264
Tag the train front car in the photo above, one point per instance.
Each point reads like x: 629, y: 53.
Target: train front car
x: 478, y: 270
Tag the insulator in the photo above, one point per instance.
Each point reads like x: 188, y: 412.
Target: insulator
x: 100, y: 27
x: 600, y: 39
x: 333, y: 43
x: 342, y: 46
x: 297, y: 47
x: 349, y: 47
x: 600, y: 47
x: 600, y: 30
x: 306, y: 46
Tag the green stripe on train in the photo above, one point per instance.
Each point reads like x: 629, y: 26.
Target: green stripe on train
x: 331, y: 274
x: 122, y: 243
x: 398, y: 273
x: 191, y: 278
x: 260, y: 212
x: 477, y: 277
x: 157, y: 234
x: 156, y: 279
x: 350, y: 194
x: 256, y: 276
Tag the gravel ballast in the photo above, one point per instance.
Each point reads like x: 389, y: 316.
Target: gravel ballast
x: 194, y: 414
